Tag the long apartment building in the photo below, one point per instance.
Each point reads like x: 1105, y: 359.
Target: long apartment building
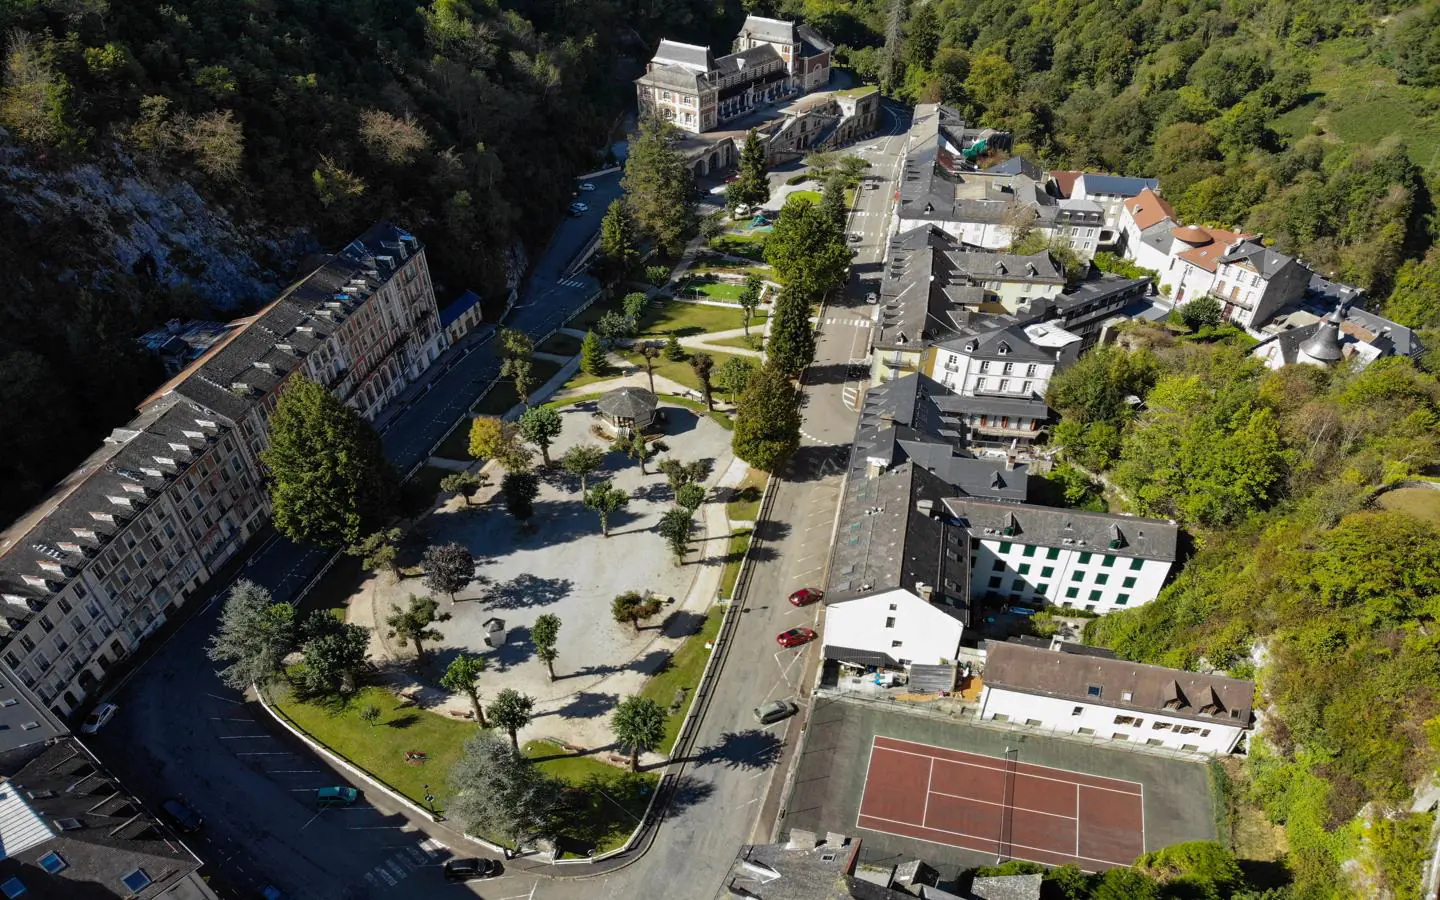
x: 170, y: 497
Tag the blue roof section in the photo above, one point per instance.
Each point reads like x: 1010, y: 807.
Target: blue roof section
x: 1016, y: 165
x: 455, y: 310
x: 1118, y: 184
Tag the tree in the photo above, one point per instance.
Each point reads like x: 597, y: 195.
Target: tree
x: 604, y: 499
x: 639, y: 726
x: 657, y: 274
x: 1202, y: 312
x: 448, y: 568
x: 494, y: 438
x: 592, y: 355
x: 541, y: 425
x: 892, y: 60
x: 632, y: 607
x: 767, y: 422
x: 678, y: 474
x: 639, y: 450
x: 657, y: 185
x: 612, y: 326
x: 807, y: 250
x: 750, y: 298
x: 414, y: 625
x: 733, y: 375
x: 675, y: 526
x: 494, y: 788
x: 820, y: 163
x: 690, y: 497
x: 582, y: 459
x: 329, y: 480
x: 378, y: 551
x: 704, y: 364
x: 673, y: 350
x: 650, y: 351
x: 254, y: 636
x: 617, y: 240
x: 832, y: 201
x: 462, y: 676
x: 370, y: 714
x: 392, y: 139
x: 217, y: 142
x: 466, y: 484
x: 544, y: 634
x: 511, y: 710
x: 332, y: 652
x: 515, y: 349
x: 521, y: 372
x: 751, y: 187
x: 634, y: 306
x: 520, y: 490
x: 1415, y: 300
x: 792, y: 338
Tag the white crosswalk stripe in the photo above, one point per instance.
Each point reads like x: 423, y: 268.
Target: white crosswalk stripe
x: 432, y: 847
x: 570, y: 282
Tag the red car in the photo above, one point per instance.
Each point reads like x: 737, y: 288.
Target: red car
x: 806, y: 596
x: 795, y: 637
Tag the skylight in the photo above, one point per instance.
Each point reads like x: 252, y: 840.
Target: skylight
x: 53, y: 863
x: 136, y: 881
x: 13, y: 888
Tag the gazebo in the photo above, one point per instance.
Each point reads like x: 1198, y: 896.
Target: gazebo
x: 628, y: 409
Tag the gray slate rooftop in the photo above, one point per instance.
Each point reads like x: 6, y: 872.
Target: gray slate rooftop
x: 1267, y: 261
x: 1119, y: 185
x: 1050, y: 526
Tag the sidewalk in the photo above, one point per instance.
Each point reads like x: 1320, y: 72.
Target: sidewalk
x: 442, y: 365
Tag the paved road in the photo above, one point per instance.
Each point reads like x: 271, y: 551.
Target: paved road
x: 736, y: 762
x: 181, y: 733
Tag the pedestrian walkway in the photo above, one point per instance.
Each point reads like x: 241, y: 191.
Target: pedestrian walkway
x: 707, y: 340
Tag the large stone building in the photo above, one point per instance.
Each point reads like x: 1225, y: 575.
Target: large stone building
x: 688, y: 86
x: 169, y: 498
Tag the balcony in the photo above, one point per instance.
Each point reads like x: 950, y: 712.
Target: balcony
x: 1012, y: 430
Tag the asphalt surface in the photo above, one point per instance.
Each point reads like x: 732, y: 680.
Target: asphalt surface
x: 181, y: 733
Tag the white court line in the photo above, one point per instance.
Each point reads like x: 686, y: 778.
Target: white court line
x: 1143, y: 841
x: 930, y: 778
x: 1038, y: 812
x: 1001, y: 768
x: 988, y: 840
x: 1077, y: 824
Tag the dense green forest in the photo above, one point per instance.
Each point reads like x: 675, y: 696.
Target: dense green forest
x: 462, y: 119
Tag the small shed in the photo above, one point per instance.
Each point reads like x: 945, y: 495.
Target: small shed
x: 628, y: 409
x: 495, y: 632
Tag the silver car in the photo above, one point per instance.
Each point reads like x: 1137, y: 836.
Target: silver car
x: 775, y: 711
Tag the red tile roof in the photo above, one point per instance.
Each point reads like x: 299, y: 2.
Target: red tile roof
x: 1065, y: 181
x: 1148, y: 208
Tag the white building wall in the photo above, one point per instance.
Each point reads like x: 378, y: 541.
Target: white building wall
x: 1145, y: 255
x: 1065, y: 576
x: 1186, y: 281
x: 895, y: 622
x: 963, y: 374
x: 1108, y: 722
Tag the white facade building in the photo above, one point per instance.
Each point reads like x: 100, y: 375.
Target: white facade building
x: 1097, y: 562
x: 1014, y: 362
x: 1147, y: 215
x: 1094, y: 695
x: 897, y: 624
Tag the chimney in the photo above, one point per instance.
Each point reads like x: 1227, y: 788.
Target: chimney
x: 1009, y: 462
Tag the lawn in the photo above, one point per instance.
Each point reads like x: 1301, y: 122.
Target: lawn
x: 750, y: 245
x: 457, y: 443
x: 734, y: 557
x: 683, y: 675
x: 680, y: 371
x: 685, y: 319
x: 604, y: 803
x: 380, y: 748
x: 746, y: 505
x: 587, y: 318
x: 713, y: 290
x: 753, y: 342
x: 1422, y: 503
x: 502, y: 396
x: 560, y: 344
x: 812, y: 196
x: 581, y: 378
x: 696, y: 406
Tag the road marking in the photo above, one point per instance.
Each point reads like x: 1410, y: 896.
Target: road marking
x: 227, y: 699
x: 432, y: 847
x: 266, y: 753
x: 312, y: 819
x: 223, y: 719
x: 292, y: 772
x: 385, y: 874
x: 245, y: 737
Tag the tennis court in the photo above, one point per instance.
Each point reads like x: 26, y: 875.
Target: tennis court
x: 1005, y: 806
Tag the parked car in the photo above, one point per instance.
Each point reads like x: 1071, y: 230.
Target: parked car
x: 872, y: 297
x: 872, y: 185
x: 181, y: 816
x: 795, y: 637
x: 579, y: 207
x: 587, y: 186
x: 472, y: 868
x: 806, y: 596
x: 336, y: 796
x: 775, y: 711
x: 97, y: 718
x: 856, y: 237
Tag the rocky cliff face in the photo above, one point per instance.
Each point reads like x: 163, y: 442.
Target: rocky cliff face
x: 135, y: 222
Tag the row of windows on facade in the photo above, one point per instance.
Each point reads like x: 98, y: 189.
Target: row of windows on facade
x: 1015, y: 590
x: 1028, y: 550
x: 1101, y: 578
x: 1118, y: 736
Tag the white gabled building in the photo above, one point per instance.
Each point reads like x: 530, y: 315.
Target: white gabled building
x: 1026, y: 554
x: 1083, y: 692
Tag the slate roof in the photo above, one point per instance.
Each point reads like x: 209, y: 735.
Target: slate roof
x: 747, y: 59
x: 1070, y: 675
x: 25, y: 723
x: 676, y: 77
x: 1362, y: 335
x: 628, y: 403
x: 812, y: 43
x: 1017, y: 165
x: 1009, y: 343
x: 1265, y: 260
x: 461, y: 305
x: 1050, y: 526
x: 1147, y: 208
x: 766, y: 29
x: 689, y: 56
x: 1117, y: 184
x: 109, y: 834
x: 857, y: 657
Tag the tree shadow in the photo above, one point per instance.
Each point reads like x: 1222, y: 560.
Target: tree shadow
x: 654, y: 492
x: 682, y: 622
x: 404, y: 721
x: 652, y: 663
x: 585, y: 705
x: 517, y: 649
x: 813, y: 463
x: 752, y: 749
x: 828, y: 373
x: 687, y: 792
x: 526, y: 590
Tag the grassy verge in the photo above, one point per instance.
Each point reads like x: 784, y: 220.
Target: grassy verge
x: 750, y: 246
x: 678, y: 371
x: 683, y: 675
x: 604, y: 804
x: 746, y: 505
x: 685, y: 319
x: 713, y: 290
x: 420, y: 489
x: 753, y: 342
x: 582, y: 398
x: 812, y: 196
x: 503, y: 396
x: 722, y: 419
x: 380, y: 748
x: 560, y: 345
x: 734, y: 556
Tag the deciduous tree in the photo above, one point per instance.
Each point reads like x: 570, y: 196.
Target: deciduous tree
x: 496, y: 790
x: 639, y: 726
x: 545, y: 634
x: 511, y: 711
x: 649, y: 351
x: 462, y: 676
x: 494, y: 438
x: 520, y: 490
x: 581, y: 460
x: 332, y: 653
x: 466, y: 484
x: 329, y: 479
x: 733, y: 375
x: 253, y: 637
x: 807, y: 250
x: 377, y: 551
x: 639, y: 449
x: 675, y: 526
x: 449, y: 568
x: 632, y: 607
x: 604, y: 499
x: 541, y: 425
x: 690, y: 497
x: 415, y: 624
x: 767, y: 422
x: 703, y: 364
x: 750, y: 298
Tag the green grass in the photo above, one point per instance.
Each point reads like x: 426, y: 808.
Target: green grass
x: 753, y: 342
x: 713, y: 290
x: 420, y: 489
x: 734, y: 557
x: 591, y: 314
x: 560, y: 345
x: 749, y: 245
x: 685, y: 319
x: 1422, y: 503
x: 812, y: 196
x: 683, y: 674
x: 746, y: 506
x: 677, y: 371
x: 502, y: 396
x: 720, y: 418
x: 562, y: 404
x: 581, y: 378
x: 605, y: 803
x: 380, y: 749
x: 457, y: 443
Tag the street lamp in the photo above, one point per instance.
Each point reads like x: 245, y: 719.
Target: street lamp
x: 430, y: 802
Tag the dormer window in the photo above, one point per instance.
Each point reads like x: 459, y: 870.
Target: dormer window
x: 120, y: 501
x: 165, y: 460
x: 1003, y: 348
x: 85, y: 534
x: 133, y: 488
x: 102, y: 517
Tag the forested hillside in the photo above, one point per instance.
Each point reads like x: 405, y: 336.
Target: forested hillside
x: 297, y: 122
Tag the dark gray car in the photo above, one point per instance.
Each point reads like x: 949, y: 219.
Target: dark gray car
x: 775, y: 711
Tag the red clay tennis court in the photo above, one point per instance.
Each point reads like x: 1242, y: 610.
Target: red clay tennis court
x: 1012, y: 809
